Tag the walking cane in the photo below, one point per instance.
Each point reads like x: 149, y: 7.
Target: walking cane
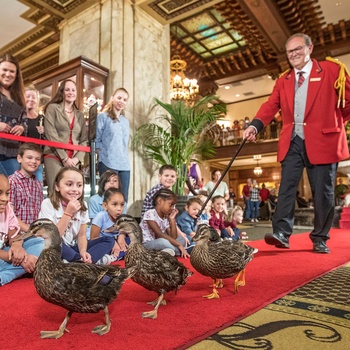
x: 221, y: 178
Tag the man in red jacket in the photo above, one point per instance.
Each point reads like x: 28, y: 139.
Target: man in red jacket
x: 314, y: 100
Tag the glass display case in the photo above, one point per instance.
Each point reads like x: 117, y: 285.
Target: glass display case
x: 89, y: 76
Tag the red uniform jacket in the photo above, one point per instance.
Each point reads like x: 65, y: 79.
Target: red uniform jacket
x: 325, y: 138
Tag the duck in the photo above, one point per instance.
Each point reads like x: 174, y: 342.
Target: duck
x: 77, y: 286
x: 219, y: 259
x: 156, y: 270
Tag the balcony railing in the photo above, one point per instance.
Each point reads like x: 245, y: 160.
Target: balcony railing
x: 229, y: 137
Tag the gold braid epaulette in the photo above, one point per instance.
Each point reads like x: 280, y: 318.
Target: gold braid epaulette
x: 340, y: 82
x: 285, y: 72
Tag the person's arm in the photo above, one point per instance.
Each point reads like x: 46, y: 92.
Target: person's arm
x: 72, y: 208
x: 184, y: 223
x: 153, y: 225
x: 83, y: 244
x: 82, y: 138
x: 16, y: 253
x: 51, y: 133
x: 94, y: 231
x: 100, y: 124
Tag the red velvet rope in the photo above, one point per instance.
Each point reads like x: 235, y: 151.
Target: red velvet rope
x: 45, y: 142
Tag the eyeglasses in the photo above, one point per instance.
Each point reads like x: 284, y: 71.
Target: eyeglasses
x: 297, y: 50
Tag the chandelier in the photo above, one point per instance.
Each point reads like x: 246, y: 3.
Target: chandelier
x: 257, y: 170
x: 181, y: 88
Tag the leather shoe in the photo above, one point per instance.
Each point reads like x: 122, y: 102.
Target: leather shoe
x: 279, y: 240
x: 321, y: 247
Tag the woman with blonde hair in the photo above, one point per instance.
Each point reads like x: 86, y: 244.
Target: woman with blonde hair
x: 112, y: 139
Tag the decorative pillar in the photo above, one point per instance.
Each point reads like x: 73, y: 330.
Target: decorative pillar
x: 136, y: 50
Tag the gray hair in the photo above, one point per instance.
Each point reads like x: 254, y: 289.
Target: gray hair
x: 306, y: 38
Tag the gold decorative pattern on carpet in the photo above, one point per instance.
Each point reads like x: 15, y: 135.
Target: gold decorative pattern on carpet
x: 314, y: 316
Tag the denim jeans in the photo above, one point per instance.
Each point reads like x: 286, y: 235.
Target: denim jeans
x: 9, y: 166
x: 97, y: 248
x: 254, y: 209
x: 162, y: 243
x: 124, y: 177
x: 8, y: 272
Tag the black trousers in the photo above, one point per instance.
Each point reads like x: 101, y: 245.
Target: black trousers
x: 322, y: 181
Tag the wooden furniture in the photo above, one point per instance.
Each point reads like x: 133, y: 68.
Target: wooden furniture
x: 89, y: 76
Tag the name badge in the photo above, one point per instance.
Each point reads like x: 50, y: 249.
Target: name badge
x: 315, y: 79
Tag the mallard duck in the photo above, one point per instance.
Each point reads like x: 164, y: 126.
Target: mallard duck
x: 219, y: 259
x: 155, y: 270
x: 77, y: 287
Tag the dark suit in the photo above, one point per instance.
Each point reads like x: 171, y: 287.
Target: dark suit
x: 324, y: 145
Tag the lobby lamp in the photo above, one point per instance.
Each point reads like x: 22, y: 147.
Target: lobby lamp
x: 257, y: 170
x: 181, y: 88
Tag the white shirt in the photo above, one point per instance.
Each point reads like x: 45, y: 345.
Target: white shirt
x: 70, y: 236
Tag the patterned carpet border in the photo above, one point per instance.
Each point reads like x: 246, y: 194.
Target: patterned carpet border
x: 316, y: 315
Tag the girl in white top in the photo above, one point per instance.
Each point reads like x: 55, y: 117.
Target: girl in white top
x: 67, y: 209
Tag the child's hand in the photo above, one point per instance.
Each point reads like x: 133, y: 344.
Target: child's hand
x: 86, y: 257
x: 17, y: 254
x: 29, y: 263
x: 183, y: 252
x: 173, y: 213
x: 73, y: 206
x: 116, y: 249
x: 122, y: 243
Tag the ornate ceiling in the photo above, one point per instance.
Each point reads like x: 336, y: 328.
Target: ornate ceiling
x: 237, y: 38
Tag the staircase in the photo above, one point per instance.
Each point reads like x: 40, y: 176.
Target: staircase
x: 344, y: 221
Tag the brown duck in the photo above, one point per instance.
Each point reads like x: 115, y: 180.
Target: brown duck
x: 77, y: 287
x: 155, y: 270
x: 219, y: 259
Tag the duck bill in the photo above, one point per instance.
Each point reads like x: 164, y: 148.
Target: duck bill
x: 22, y: 237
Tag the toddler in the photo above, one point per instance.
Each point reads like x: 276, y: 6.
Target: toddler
x: 234, y: 217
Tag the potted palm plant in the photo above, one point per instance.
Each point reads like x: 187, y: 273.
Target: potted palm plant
x: 181, y: 136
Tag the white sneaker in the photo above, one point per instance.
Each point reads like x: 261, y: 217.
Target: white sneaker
x: 169, y: 251
x: 65, y: 261
x: 252, y: 220
x: 107, y: 259
x: 256, y: 220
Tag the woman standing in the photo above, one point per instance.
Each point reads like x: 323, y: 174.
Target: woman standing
x: 112, y: 138
x: 222, y: 189
x: 63, y: 123
x: 35, y: 121
x: 12, y: 112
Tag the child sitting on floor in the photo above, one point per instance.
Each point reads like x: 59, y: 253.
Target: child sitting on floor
x: 234, y: 217
x: 102, y: 224
x: 159, y: 226
x: 218, y: 216
x: 16, y: 257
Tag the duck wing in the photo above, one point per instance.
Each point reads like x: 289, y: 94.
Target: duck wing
x: 156, y: 270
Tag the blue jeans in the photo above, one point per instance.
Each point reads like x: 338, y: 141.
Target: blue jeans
x: 224, y: 233
x: 97, y: 248
x: 9, y: 166
x: 247, y: 208
x: 8, y: 272
x: 254, y: 209
x: 162, y: 243
x: 124, y: 177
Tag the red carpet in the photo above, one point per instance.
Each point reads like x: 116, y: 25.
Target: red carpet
x: 185, y: 320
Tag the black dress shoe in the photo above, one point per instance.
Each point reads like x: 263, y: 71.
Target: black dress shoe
x: 279, y: 240
x: 321, y: 247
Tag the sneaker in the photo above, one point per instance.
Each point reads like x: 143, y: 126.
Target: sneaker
x: 65, y: 261
x: 256, y: 220
x: 169, y: 251
x: 252, y: 220
x: 107, y: 259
